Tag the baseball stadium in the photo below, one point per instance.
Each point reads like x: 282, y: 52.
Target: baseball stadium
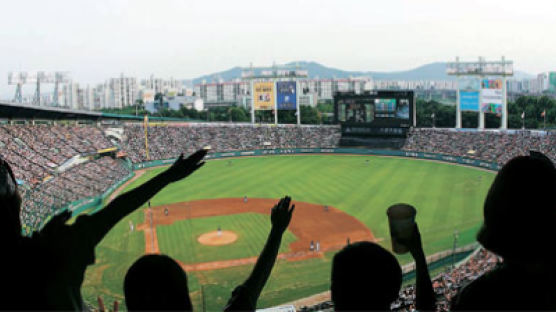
x: 215, y: 222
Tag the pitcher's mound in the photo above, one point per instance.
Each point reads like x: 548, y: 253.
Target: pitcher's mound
x: 213, y: 239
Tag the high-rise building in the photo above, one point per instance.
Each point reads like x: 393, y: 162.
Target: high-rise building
x: 70, y: 95
x: 171, y: 87
x: 124, y: 91
x: 89, y: 98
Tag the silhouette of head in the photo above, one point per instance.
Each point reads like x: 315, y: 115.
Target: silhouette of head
x: 365, y: 276
x: 520, y: 209
x: 10, y: 202
x: 156, y: 282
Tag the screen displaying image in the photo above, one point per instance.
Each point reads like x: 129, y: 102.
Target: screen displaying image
x: 385, y: 108
x: 402, y: 110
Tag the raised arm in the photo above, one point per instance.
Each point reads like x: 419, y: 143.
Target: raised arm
x: 246, y: 295
x: 100, y: 223
x: 425, y: 298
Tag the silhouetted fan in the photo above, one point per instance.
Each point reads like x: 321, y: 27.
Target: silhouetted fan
x: 520, y: 226
x: 50, y: 265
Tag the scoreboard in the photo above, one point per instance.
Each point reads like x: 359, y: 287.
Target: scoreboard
x: 375, y: 113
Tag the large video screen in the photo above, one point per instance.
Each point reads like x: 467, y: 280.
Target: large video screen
x: 379, y: 112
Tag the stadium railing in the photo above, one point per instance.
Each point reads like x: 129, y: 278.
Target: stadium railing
x: 282, y: 151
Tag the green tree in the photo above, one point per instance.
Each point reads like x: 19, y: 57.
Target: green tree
x: 309, y: 115
x: 238, y: 114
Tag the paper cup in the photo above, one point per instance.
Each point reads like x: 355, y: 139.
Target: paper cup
x: 401, y: 218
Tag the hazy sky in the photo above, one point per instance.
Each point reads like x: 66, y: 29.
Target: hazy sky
x: 98, y: 39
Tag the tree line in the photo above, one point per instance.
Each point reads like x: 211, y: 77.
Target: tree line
x: 531, y: 107
x: 444, y: 115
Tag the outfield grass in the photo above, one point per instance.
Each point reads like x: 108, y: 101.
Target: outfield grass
x: 447, y: 197
x: 179, y: 240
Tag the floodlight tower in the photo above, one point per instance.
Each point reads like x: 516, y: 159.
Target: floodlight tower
x: 18, y: 79
x: 21, y: 78
x: 59, y: 77
x: 41, y: 76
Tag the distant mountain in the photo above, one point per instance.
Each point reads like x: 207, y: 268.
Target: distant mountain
x: 226, y: 75
x: 432, y: 71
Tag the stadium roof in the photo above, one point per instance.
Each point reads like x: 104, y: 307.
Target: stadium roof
x: 10, y: 110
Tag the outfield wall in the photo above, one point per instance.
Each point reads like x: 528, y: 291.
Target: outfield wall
x: 358, y: 151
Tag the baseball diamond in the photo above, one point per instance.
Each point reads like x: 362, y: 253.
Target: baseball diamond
x: 356, y: 190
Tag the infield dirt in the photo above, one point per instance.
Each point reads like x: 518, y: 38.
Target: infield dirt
x: 310, y: 222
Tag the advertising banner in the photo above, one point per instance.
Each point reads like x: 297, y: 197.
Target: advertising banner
x: 286, y: 95
x: 491, y: 101
x: 469, y: 101
x: 491, y: 96
x: 552, y: 82
x: 491, y: 84
x: 263, y: 95
x: 469, y: 84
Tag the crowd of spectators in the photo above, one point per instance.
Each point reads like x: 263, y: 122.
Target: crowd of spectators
x: 447, y: 284
x: 37, y: 150
x: 492, y: 146
x: 168, y: 141
x: 89, y: 179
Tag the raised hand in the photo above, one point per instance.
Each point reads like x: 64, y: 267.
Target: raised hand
x: 414, y: 243
x: 184, y: 167
x: 281, y: 214
x: 245, y: 297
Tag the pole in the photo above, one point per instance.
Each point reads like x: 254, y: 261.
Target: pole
x: 297, y: 112
x: 504, y: 123
x: 481, y: 112
x: 458, y: 109
x: 252, y: 103
x: 275, y: 93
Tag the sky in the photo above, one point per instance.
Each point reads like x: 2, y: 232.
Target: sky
x: 99, y: 39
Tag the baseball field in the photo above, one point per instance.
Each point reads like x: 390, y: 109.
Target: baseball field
x: 186, y: 217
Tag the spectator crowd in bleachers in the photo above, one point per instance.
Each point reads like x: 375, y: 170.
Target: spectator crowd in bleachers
x: 491, y: 146
x: 447, y: 284
x: 87, y: 180
x: 168, y: 141
x: 37, y: 150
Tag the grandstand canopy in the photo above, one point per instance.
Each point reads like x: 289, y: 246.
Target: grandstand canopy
x: 10, y: 110
x: 25, y: 111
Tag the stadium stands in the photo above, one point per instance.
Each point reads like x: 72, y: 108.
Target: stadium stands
x: 37, y: 150
x: 446, y: 285
x: 90, y: 179
x: 168, y: 141
x: 493, y: 146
